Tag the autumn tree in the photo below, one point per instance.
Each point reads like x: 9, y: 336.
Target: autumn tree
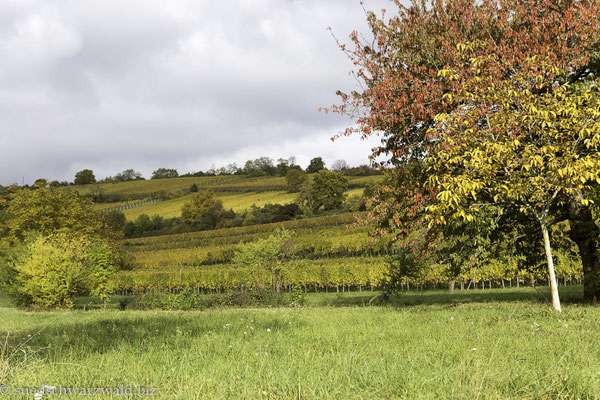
x: 512, y: 147
x: 456, y: 89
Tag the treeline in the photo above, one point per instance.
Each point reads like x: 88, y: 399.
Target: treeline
x: 262, y: 166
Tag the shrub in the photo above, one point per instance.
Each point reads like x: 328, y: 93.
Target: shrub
x: 49, y: 271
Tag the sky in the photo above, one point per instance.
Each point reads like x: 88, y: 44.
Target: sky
x: 111, y: 85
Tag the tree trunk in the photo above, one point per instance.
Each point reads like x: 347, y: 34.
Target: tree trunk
x: 554, y: 288
x: 584, y: 233
x: 277, y: 288
x: 451, y: 286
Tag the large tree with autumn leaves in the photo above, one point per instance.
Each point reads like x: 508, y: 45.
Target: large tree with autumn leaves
x: 485, y: 106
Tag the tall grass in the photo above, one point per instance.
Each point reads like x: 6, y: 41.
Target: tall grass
x: 505, y: 347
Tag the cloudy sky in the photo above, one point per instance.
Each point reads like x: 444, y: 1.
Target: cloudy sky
x: 186, y: 84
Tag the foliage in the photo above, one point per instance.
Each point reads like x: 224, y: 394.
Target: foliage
x: 284, y: 166
x: 325, y: 192
x: 355, y: 203
x: 496, y: 97
x: 85, y: 177
x: 163, y: 173
x: 295, y: 178
x: 269, y: 254
x: 126, y: 176
x: 205, y: 212
x: 315, y: 165
x: 49, y: 271
x: 52, y: 210
x: 340, y: 165
x: 269, y: 213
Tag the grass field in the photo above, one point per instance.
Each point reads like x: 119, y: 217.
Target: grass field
x: 478, y: 344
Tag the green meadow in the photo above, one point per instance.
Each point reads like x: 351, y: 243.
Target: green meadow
x: 488, y: 344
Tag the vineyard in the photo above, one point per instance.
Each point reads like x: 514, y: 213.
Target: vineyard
x: 325, y: 254
x: 176, y: 187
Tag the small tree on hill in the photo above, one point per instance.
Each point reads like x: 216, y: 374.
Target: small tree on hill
x: 85, y: 177
x: 315, y: 165
x: 205, y: 211
x: 163, y: 173
x: 339, y: 165
x: 128, y: 175
x: 266, y: 254
x: 325, y: 192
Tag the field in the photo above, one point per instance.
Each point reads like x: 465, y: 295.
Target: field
x: 347, y: 342
x: 494, y: 345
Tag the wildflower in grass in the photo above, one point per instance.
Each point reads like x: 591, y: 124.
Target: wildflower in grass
x: 244, y: 332
x: 451, y: 318
x: 474, y: 348
x: 266, y: 354
x: 268, y: 330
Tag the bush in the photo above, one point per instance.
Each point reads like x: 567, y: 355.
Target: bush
x: 49, y: 271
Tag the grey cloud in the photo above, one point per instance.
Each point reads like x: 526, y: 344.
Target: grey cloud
x: 109, y: 85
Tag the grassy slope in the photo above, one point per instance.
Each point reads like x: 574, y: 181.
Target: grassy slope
x: 509, y: 346
x: 181, y: 185
x: 236, y: 201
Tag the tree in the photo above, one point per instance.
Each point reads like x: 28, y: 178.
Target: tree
x: 283, y: 166
x: 295, y: 178
x: 128, y: 175
x: 40, y: 183
x: 325, y: 192
x: 204, y: 211
x: 49, y: 271
x: 533, y: 150
x: 163, y: 173
x: 85, y: 177
x: 419, y: 74
x: 50, y: 211
x: 194, y: 188
x: 315, y: 165
x: 266, y: 254
x: 339, y: 165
